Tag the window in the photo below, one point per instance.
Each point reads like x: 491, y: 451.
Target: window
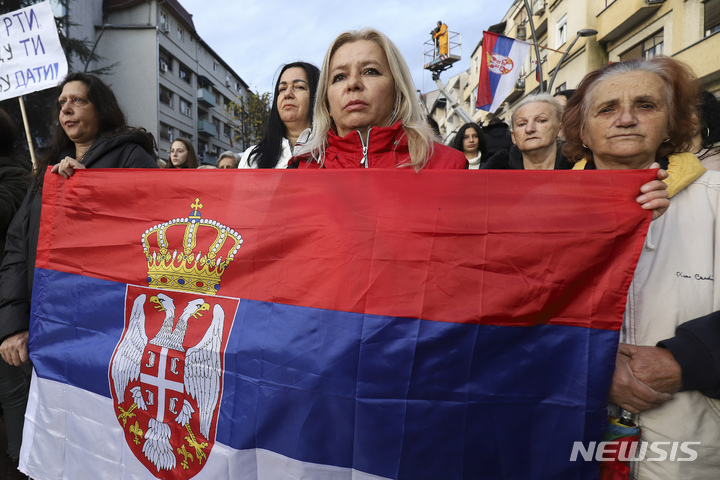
x: 653, y: 46
x: 184, y: 74
x: 227, y: 130
x: 712, y: 17
x: 166, y: 132
x: 164, y: 25
x: 204, y: 83
x: 561, y: 88
x: 562, y: 31
x: 215, y: 66
x: 648, y: 48
x: 166, y: 96
x: 185, y: 107
x: 180, y: 33
x: 520, y: 21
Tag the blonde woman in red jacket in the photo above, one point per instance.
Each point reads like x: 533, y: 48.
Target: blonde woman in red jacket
x: 367, y: 114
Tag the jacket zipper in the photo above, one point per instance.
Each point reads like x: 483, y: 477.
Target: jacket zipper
x: 364, y: 160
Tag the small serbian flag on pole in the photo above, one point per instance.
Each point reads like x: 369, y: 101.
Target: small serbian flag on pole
x: 353, y: 325
x: 499, y: 70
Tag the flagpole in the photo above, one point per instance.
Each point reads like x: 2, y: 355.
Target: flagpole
x: 535, y: 43
x: 27, y: 132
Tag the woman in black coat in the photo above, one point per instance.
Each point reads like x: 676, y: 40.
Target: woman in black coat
x: 90, y: 132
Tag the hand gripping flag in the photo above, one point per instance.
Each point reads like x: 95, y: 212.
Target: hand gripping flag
x: 501, y: 61
x: 327, y: 324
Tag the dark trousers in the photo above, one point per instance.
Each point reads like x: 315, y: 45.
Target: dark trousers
x: 14, y: 390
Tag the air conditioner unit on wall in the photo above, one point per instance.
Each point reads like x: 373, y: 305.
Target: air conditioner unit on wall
x: 538, y: 7
x: 652, y: 2
x: 163, y: 67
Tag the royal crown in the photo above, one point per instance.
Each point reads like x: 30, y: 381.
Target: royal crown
x: 189, y: 269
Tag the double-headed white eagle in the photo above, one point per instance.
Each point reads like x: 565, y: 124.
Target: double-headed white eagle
x: 201, y: 376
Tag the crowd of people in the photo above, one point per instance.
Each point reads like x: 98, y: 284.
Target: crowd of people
x: 360, y: 110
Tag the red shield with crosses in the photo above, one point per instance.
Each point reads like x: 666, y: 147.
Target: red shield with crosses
x: 166, y: 377
x: 162, y: 378
x: 499, y: 63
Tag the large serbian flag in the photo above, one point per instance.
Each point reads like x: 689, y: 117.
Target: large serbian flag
x: 327, y: 324
x: 502, y: 59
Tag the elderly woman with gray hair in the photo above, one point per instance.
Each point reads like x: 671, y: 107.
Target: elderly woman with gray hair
x: 228, y: 159
x: 535, y: 128
x: 634, y: 115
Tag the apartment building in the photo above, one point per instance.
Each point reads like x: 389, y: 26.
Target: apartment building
x: 688, y: 30
x: 167, y: 78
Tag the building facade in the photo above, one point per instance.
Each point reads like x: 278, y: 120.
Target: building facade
x: 687, y: 30
x: 167, y: 79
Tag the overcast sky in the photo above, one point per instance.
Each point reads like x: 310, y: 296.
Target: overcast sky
x: 255, y: 37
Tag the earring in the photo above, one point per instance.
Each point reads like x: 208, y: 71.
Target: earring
x: 585, y: 146
x: 666, y: 140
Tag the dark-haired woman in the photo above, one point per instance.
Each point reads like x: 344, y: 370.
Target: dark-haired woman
x: 91, y: 132
x: 182, y: 154
x: 14, y: 381
x: 471, y: 142
x: 706, y: 143
x: 290, y: 120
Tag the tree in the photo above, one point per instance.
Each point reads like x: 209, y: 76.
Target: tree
x: 252, y: 112
x: 39, y: 104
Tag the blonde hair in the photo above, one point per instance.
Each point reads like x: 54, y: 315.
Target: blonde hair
x: 407, y: 107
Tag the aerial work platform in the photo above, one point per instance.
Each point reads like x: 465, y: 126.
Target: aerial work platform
x: 438, y: 63
x: 434, y: 61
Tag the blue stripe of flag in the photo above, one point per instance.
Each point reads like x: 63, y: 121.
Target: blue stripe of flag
x: 396, y: 397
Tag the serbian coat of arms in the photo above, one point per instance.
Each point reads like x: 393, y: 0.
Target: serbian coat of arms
x: 166, y: 374
x: 499, y: 64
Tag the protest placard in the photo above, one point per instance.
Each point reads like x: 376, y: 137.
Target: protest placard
x: 31, y: 56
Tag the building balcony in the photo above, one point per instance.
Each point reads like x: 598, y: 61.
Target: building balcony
x: 624, y: 16
x: 518, y: 91
x: 206, y: 98
x: 206, y: 128
x: 697, y: 56
x: 209, y: 158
